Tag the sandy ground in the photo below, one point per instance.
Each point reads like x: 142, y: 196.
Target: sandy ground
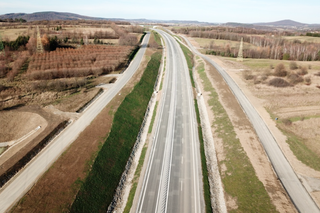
x: 56, y: 190
x: 249, y: 141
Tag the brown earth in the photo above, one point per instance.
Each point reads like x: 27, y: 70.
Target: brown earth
x: 56, y: 190
x: 250, y: 143
x: 48, y: 120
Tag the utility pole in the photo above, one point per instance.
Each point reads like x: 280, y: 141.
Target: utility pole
x: 240, y: 53
x: 39, y: 42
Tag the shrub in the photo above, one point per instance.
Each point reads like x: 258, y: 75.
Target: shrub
x: 307, y: 80
x: 294, y: 78
x: 293, y: 65
x: 279, y: 82
x: 247, y: 75
x: 280, y: 70
x: 317, y: 74
x: 287, y: 122
x: 303, y: 71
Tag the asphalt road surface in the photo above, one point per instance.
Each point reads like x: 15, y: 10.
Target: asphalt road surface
x: 25, y: 179
x: 300, y: 197
x: 173, y: 178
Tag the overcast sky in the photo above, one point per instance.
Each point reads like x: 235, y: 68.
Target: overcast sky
x: 245, y: 11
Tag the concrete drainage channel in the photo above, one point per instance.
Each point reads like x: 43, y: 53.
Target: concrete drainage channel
x: 5, y: 177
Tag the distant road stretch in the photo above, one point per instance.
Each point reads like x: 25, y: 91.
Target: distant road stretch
x: 300, y: 197
x: 27, y: 177
x: 173, y: 179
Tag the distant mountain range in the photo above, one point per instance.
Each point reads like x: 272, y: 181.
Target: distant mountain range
x: 50, y: 15
x: 39, y: 16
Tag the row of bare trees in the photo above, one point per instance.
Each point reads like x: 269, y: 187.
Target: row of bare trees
x: 65, y: 63
x: 266, y: 46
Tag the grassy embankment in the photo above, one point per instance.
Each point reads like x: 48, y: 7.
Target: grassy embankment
x: 135, y: 181
x: 239, y: 179
x: 296, y: 143
x: 98, y: 189
x: 206, y: 187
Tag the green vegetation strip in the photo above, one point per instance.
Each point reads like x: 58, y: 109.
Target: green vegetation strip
x: 157, y: 38
x: 135, y: 181
x: 153, y: 117
x: 206, y: 187
x: 99, y: 187
x: 189, y: 57
x: 239, y: 179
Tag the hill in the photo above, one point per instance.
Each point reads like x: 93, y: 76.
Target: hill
x: 50, y: 15
x: 283, y: 23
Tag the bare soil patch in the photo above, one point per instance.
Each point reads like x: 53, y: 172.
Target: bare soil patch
x: 57, y: 189
x: 49, y: 122
x: 17, y: 124
x: 249, y: 142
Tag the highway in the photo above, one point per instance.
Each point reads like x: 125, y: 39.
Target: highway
x: 28, y: 176
x: 173, y: 178
x: 298, y: 194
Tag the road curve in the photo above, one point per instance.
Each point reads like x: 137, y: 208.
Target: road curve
x: 27, y: 177
x: 298, y: 194
x: 173, y: 178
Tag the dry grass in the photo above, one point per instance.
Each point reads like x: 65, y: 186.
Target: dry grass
x: 205, y: 42
x: 12, y: 34
x: 303, y: 38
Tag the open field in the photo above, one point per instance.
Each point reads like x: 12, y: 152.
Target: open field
x: 12, y: 34
x: 303, y: 38
x: 205, y: 42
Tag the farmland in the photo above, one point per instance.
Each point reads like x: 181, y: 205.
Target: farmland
x: 52, y: 86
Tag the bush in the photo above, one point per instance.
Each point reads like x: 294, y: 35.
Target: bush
x: 279, y: 82
x: 247, y: 75
x: 303, y: 71
x: 307, y: 80
x: 317, y: 74
x: 280, y: 71
x: 293, y: 65
x: 287, y: 122
x: 294, y: 78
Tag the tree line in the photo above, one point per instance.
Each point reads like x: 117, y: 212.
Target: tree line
x: 267, y: 45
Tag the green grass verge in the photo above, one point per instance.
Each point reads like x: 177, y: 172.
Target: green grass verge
x: 206, y: 187
x: 135, y: 181
x: 239, y: 180
x: 205, y: 180
x: 153, y: 117
x: 189, y: 57
x: 301, y: 151
x: 157, y: 38
x: 98, y: 189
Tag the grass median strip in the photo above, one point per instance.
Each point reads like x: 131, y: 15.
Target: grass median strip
x: 98, y: 189
x: 238, y: 176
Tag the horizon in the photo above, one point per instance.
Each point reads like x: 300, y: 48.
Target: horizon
x: 239, y: 11
x: 182, y: 20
